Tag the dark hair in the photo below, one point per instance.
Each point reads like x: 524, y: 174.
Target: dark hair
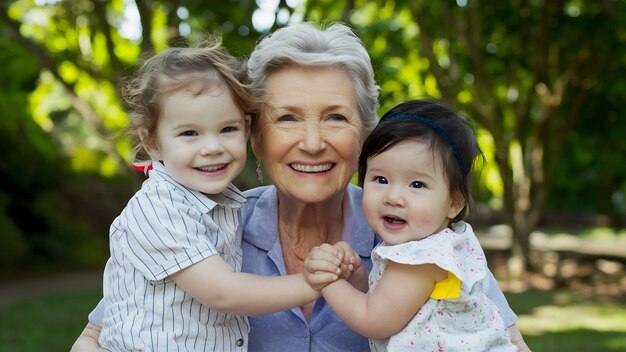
x: 449, y: 134
x: 201, y: 68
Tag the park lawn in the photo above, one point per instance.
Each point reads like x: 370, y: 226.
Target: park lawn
x: 549, y: 320
x: 564, y: 321
x: 47, y: 323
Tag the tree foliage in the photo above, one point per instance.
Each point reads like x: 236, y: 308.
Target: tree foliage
x: 544, y: 81
x: 531, y: 74
x: 63, y: 64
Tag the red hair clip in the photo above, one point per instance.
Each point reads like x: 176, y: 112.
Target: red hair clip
x: 143, y: 167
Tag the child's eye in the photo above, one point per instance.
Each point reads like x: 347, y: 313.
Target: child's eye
x: 229, y: 129
x: 381, y: 180
x: 416, y: 184
x: 189, y: 133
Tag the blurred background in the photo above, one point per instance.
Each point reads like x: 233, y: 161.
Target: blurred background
x: 543, y: 80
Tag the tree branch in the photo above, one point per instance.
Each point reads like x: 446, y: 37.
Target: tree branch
x: 105, y: 27
x: 449, y: 91
x: 145, y: 17
x: 347, y: 9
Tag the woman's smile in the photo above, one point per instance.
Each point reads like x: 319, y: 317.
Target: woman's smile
x: 311, y: 168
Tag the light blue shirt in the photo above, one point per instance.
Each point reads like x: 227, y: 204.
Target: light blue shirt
x: 262, y: 255
x: 289, y: 330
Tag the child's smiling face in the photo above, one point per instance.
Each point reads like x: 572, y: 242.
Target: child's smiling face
x: 201, y: 138
x: 405, y: 193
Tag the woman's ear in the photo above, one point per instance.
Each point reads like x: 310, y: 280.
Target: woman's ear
x: 149, y: 144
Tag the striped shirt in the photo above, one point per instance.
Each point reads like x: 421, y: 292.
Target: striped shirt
x: 165, y: 228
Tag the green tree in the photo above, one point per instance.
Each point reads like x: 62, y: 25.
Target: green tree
x: 84, y: 49
x: 63, y: 63
x: 20, y: 139
x: 536, y: 76
x: 525, y: 71
x: 593, y: 180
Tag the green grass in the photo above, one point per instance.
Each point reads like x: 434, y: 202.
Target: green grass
x: 50, y: 323
x: 564, y: 321
x: 549, y: 321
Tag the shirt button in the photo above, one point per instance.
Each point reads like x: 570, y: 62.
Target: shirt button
x: 239, y: 343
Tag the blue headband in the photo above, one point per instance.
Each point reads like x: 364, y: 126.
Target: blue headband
x: 432, y: 124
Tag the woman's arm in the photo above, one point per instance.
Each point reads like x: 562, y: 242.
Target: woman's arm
x: 213, y: 283
x: 517, y: 339
x: 387, y: 309
x: 88, y: 340
x: 497, y: 297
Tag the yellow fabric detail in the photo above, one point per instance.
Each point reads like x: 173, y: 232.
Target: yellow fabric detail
x: 448, y: 288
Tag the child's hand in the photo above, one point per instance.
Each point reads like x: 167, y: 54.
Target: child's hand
x: 350, y: 260
x: 351, y: 266
x: 321, y: 266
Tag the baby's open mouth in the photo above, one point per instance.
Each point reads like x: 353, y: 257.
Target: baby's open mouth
x: 394, y: 220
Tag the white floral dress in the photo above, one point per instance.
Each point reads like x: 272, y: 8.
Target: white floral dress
x: 468, y: 323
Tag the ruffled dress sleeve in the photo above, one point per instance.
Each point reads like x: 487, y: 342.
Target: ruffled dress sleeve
x: 467, y: 322
x: 458, y: 252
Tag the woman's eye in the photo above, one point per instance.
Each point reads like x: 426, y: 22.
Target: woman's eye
x: 284, y: 118
x: 337, y: 117
x: 381, y: 180
x: 189, y: 133
x: 416, y: 184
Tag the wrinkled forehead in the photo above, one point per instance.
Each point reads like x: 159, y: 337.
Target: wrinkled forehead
x: 297, y: 86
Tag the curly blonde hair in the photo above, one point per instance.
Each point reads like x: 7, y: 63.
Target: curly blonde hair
x: 199, y: 68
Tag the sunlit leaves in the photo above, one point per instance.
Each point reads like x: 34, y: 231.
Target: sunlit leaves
x: 159, y: 27
x: 48, y: 96
x: 464, y: 97
x: 489, y: 173
x: 68, y: 33
x: 100, y: 57
x: 69, y: 71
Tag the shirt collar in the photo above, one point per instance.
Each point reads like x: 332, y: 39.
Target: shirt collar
x: 231, y: 196
x: 262, y: 228
x: 264, y: 220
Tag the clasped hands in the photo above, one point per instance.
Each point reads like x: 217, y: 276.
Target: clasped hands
x: 327, y: 263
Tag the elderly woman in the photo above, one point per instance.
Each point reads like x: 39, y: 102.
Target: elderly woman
x: 319, y: 103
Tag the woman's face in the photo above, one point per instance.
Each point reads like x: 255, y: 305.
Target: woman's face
x: 310, y: 132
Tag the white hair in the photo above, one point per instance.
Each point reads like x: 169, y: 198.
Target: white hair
x: 302, y: 44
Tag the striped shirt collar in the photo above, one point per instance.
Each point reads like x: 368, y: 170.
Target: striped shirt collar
x: 231, y: 196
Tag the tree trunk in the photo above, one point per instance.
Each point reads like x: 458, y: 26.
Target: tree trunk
x: 520, y: 262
